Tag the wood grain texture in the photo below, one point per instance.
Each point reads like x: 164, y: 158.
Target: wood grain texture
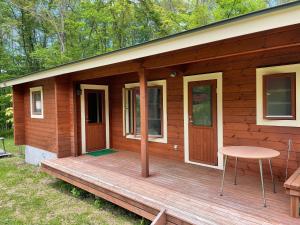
x: 292, y: 186
x: 144, y: 122
x: 236, y: 58
x: 19, y: 118
x: 95, y: 131
x: 190, y: 194
x: 203, y: 138
x: 161, y: 218
x: 64, y: 116
x: 41, y: 133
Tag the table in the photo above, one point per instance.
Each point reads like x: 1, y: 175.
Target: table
x: 249, y: 152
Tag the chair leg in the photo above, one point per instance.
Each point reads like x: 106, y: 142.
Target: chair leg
x: 235, y: 170
x: 262, y: 182
x: 272, y: 176
x: 224, y: 168
x: 294, y: 206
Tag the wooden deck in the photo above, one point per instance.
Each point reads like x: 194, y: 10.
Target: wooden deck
x: 188, y: 193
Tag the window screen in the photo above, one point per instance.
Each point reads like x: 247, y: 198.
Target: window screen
x: 279, y: 96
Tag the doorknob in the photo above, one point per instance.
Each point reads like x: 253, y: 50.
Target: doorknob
x: 190, y: 119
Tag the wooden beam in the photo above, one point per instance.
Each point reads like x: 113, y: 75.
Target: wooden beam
x: 105, y: 71
x: 144, y: 122
x: 131, y: 205
x: 250, y: 44
x: 161, y: 218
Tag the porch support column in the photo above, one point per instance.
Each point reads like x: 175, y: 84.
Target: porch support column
x: 144, y: 121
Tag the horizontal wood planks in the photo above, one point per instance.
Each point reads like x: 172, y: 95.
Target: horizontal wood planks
x: 19, y: 119
x: 57, y: 129
x: 41, y: 133
x: 188, y: 193
x: 236, y: 58
x: 65, y: 116
x: 292, y: 186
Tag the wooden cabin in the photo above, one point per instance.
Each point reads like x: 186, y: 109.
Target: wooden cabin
x: 176, y: 100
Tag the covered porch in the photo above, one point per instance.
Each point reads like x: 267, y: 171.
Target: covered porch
x: 188, y: 193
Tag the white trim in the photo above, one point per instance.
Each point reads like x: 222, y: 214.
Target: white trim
x: 186, y: 80
x: 260, y: 72
x: 39, y: 116
x: 84, y: 87
x: 249, y: 24
x: 162, y: 83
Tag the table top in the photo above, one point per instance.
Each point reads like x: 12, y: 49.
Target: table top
x: 250, y: 152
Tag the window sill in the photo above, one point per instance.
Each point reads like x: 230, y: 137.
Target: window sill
x: 37, y: 117
x: 151, y: 139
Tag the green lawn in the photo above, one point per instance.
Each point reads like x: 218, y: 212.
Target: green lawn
x: 28, y: 196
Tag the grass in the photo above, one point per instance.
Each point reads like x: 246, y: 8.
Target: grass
x: 28, y: 196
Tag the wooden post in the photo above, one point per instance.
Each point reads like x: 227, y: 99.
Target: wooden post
x: 144, y: 122
x: 160, y: 219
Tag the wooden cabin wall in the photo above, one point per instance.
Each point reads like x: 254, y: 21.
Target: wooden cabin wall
x: 239, y: 102
x: 174, y: 111
x: 239, y: 110
x: 58, y: 128
x: 41, y: 133
x: 18, y: 112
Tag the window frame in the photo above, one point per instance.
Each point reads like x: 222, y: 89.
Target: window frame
x: 292, y: 76
x: 280, y: 69
x: 32, y: 114
x: 135, y: 89
x: 135, y: 86
x: 102, y: 106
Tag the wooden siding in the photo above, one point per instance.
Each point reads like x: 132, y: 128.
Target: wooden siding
x: 174, y: 110
x: 65, y: 116
x: 56, y: 130
x: 19, y: 119
x: 236, y: 58
x: 41, y: 133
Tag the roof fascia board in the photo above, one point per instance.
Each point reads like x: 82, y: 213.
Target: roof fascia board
x: 261, y: 22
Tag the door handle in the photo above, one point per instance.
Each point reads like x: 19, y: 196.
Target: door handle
x: 190, y: 119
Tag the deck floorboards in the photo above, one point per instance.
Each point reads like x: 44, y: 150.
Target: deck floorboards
x: 189, y: 193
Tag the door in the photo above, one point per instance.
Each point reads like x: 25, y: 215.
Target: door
x: 202, y: 111
x: 95, y: 120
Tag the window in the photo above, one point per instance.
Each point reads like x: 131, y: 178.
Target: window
x: 36, y: 102
x: 279, y: 96
x: 156, y: 111
x: 95, y: 106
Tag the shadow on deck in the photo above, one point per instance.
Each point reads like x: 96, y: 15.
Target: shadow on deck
x: 188, y: 193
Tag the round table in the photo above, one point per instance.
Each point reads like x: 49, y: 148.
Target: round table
x: 249, y: 152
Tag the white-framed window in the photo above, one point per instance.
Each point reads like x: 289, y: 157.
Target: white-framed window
x: 157, y: 111
x: 36, y: 103
x: 277, y: 93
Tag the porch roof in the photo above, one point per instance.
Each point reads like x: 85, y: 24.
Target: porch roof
x: 271, y: 18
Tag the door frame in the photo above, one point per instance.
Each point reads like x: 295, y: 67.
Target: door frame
x: 84, y: 87
x: 203, y: 77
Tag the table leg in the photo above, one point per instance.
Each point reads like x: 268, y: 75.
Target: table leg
x: 224, y: 168
x: 235, y: 170
x: 272, y: 176
x: 262, y: 181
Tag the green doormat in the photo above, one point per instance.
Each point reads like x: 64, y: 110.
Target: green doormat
x: 101, y: 152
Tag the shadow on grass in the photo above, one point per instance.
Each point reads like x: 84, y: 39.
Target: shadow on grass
x: 98, y: 202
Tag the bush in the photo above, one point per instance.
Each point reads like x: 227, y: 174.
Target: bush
x: 7, y: 133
